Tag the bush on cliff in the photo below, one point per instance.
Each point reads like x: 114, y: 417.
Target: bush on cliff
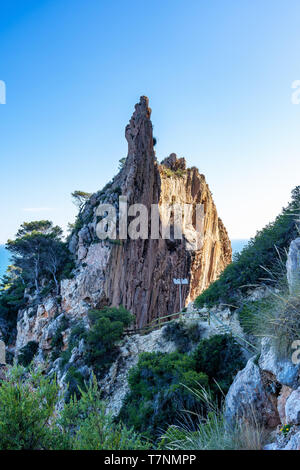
x: 40, y: 254
x: 212, y: 432
x: 75, y: 383
x: 107, y: 328
x: 100, y: 346
x: 11, y: 300
x: 276, y: 317
x: 185, y: 336
x: 220, y: 358
x: 86, y: 425
x: 29, y: 417
x: 27, y: 353
x: 157, y: 395
x: 160, y: 383
x: 261, y: 254
x: 27, y: 406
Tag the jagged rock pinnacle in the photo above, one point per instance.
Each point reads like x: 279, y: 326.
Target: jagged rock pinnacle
x: 140, y: 127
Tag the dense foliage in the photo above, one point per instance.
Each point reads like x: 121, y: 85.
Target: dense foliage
x: 11, y: 300
x: 40, y: 259
x: 250, y: 311
x: 156, y: 392
x: 220, y: 358
x: 185, y: 336
x: 40, y: 254
x: 88, y: 426
x: 27, y: 353
x: 107, y: 329
x: 27, y: 405
x: 161, y: 383
x: 100, y: 343
x: 29, y: 418
x: 261, y: 254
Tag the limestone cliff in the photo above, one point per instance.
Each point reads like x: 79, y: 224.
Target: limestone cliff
x: 139, y: 273
x: 136, y: 273
x: 268, y: 388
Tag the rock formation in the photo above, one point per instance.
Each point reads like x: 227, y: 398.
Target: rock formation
x: 268, y: 388
x: 139, y: 273
x: 135, y: 273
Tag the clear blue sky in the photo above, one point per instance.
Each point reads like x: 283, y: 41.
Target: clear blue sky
x: 218, y: 74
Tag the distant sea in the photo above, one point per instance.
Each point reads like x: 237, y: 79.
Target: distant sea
x: 238, y: 244
x: 4, y: 260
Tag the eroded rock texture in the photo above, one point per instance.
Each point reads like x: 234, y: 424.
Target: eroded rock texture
x: 268, y: 388
x: 139, y: 273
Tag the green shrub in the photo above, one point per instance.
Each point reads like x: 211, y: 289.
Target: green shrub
x: 75, y: 382
x: 276, y: 317
x: 86, y: 425
x: 261, y: 254
x: 183, y: 335
x: 157, y: 393
x: 27, y: 353
x: 57, y: 339
x: 67, y: 272
x: 220, y: 358
x: 33, y: 418
x: 27, y: 405
x: 107, y: 329
x: 101, y: 340
x: 11, y: 301
x: 161, y: 383
x: 169, y: 173
x: 249, y: 311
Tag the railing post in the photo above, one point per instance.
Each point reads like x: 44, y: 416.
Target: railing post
x: 2, y: 353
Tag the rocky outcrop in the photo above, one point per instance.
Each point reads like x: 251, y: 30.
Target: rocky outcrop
x: 285, y: 392
x: 292, y: 408
x: 115, y: 384
x: 34, y: 322
x: 139, y: 273
x: 249, y: 400
x: 283, y: 369
x: 269, y: 386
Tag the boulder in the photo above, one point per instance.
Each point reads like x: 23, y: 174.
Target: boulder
x: 293, y: 442
x: 283, y: 369
x: 248, y: 400
x: 292, y: 408
x: 281, y: 402
x: 174, y: 163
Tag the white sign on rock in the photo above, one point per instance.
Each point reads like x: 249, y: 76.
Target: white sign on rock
x: 180, y: 282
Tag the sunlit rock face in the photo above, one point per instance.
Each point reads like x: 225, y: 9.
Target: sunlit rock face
x: 139, y: 273
x: 268, y: 388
